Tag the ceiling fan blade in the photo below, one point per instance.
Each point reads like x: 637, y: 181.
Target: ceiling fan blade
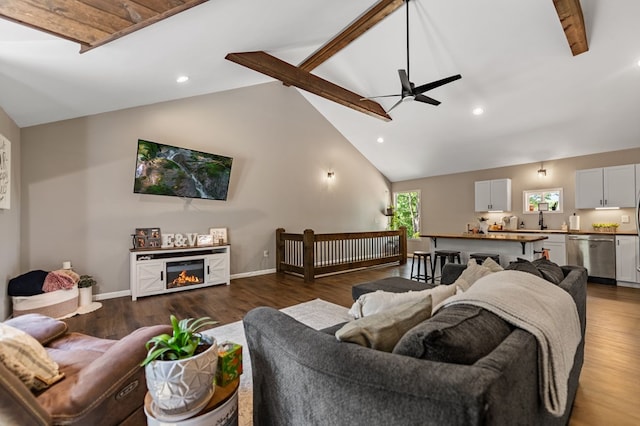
x: 434, y: 84
x: 395, y: 105
x: 426, y: 100
x: 404, y: 80
x: 380, y: 96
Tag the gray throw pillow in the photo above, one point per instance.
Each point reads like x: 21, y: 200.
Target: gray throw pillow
x: 550, y: 271
x: 459, y: 334
x: 525, y: 266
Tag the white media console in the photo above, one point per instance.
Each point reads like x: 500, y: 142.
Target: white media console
x: 163, y: 271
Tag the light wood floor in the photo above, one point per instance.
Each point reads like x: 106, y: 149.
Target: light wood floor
x: 609, y: 392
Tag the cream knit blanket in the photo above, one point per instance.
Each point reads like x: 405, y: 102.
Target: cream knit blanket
x: 544, y: 310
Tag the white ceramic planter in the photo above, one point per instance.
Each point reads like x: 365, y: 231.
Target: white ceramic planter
x: 86, y: 296
x: 180, y: 389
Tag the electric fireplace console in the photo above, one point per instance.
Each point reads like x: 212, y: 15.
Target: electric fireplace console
x: 163, y: 271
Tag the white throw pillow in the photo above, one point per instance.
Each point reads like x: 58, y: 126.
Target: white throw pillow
x: 471, y: 274
x: 492, y: 265
x: 380, y: 301
x: 25, y: 357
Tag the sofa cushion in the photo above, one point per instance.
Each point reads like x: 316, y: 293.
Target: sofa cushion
x: 525, y: 266
x: 25, y: 357
x: 42, y: 328
x: 391, y: 284
x: 383, y: 330
x: 550, y: 271
x: 460, y: 334
x: 380, y: 301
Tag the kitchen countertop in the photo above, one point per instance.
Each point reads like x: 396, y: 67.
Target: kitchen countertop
x: 490, y: 237
x: 559, y: 231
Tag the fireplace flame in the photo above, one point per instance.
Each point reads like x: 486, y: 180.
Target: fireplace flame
x: 183, y: 279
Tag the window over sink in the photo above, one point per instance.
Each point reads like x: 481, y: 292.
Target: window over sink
x: 532, y: 199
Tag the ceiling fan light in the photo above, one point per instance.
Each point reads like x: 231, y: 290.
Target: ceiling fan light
x: 408, y: 98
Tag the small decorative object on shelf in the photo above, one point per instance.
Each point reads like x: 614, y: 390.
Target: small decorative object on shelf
x: 205, y: 240
x: 147, y: 238
x: 219, y: 235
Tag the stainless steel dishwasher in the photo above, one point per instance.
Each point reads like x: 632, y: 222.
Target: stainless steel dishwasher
x: 597, y: 253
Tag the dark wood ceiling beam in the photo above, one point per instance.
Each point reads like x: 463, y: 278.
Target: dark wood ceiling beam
x: 368, y: 19
x: 91, y: 23
x: 51, y: 20
x: 291, y: 75
x: 135, y: 27
x: 572, y: 20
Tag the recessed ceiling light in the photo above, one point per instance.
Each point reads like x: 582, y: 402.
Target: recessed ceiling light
x: 182, y: 79
x: 639, y: 62
x: 478, y: 111
x: 380, y: 139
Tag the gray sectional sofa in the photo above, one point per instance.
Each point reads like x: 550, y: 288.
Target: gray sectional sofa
x: 306, y: 377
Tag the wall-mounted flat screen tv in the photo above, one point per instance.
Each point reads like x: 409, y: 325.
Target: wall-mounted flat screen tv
x: 181, y: 172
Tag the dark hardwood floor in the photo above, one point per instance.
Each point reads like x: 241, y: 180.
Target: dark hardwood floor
x: 609, y: 391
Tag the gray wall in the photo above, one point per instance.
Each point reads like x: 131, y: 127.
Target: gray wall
x: 10, y: 219
x: 448, y: 201
x: 77, y: 181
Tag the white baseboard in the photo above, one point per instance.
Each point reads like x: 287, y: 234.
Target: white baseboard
x: 112, y: 295
x: 253, y: 273
x: 628, y: 284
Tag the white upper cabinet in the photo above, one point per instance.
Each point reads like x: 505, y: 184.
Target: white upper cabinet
x: 493, y: 195
x: 606, y: 187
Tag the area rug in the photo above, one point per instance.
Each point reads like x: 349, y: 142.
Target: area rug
x: 317, y: 314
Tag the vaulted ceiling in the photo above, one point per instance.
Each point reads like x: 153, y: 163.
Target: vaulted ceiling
x: 517, y: 60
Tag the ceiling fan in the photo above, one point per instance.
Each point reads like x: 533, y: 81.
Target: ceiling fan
x: 409, y: 91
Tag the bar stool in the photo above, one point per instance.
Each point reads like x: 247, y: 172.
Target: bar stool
x: 481, y: 257
x: 444, y: 256
x: 422, y: 257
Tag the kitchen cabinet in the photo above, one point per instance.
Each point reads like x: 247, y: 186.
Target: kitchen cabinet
x: 606, y: 187
x: 626, y: 254
x: 493, y: 195
x: 557, y: 247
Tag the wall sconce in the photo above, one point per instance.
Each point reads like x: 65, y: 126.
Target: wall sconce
x: 542, y: 172
x: 330, y: 175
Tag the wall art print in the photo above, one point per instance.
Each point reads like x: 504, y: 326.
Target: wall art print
x: 5, y: 173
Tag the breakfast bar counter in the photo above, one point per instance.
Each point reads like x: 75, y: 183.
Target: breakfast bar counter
x: 529, y: 247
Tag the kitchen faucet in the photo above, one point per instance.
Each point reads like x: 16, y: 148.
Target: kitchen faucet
x: 541, y: 221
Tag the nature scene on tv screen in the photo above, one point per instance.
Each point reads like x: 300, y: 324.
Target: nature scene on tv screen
x: 169, y: 170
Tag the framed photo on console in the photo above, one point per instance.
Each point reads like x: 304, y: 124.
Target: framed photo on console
x: 219, y: 235
x: 147, y: 238
x: 205, y: 240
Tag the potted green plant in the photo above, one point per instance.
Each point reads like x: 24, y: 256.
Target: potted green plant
x: 85, y: 284
x: 180, y: 369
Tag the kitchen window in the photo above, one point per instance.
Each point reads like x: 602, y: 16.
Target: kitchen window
x: 533, y: 198
x: 407, y: 212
